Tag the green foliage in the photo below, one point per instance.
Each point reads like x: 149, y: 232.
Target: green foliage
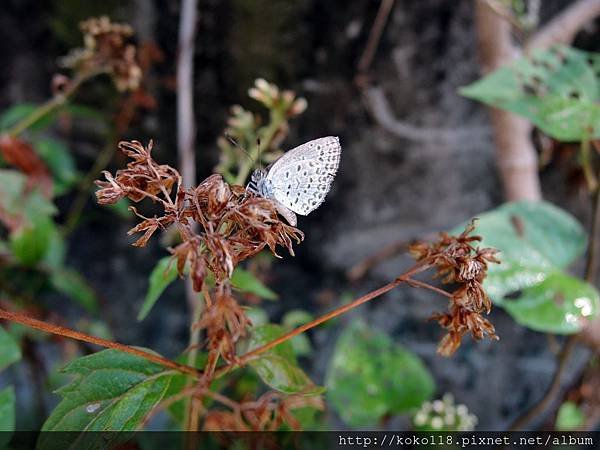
x: 112, y: 391
x: 537, y: 241
x: 246, y: 282
x: 278, y: 367
x: 7, y: 415
x: 163, y: 274
x: 18, y: 112
x: 9, y: 350
x: 30, y: 243
x: 293, y: 319
x: 370, y: 377
x: 72, y: 284
x: 569, y: 418
x: 59, y: 160
x: 9, y: 354
x: 246, y: 130
x: 557, y: 89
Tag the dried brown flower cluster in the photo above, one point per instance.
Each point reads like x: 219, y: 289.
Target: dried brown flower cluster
x: 457, y: 261
x: 268, y: 413
x: 220, y: 225
x: 106, y: 49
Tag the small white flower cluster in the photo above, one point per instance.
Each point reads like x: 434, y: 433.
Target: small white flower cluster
x: 444, y: 415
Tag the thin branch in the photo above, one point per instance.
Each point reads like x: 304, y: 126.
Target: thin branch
x: 564, y: 27
x: 374, y: 36
x: 552, y: 391
x: 186, y: 129
x: 381, y: 111
x: 363, y: 267
x: 404, y: 278
x: 67, y: 332
x: 515, y: 155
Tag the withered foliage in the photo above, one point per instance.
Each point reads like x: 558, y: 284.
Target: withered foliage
x: 268, y: 413
x: 458, y: 262
x: 106, y: 49
x: 219, y: 225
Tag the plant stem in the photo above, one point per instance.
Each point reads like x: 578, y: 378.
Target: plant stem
x: 404, y: 278
x: 552, y: 391
x: 52, y: 104
x: 78, y: 204
x: 67, y: 332
x: 266, y: 135
x: 193, y: 354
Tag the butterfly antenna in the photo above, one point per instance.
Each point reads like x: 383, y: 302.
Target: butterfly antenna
x: 233, y: 141
x: 258, y: 146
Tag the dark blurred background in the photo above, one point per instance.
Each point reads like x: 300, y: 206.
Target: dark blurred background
x: 389, y: 188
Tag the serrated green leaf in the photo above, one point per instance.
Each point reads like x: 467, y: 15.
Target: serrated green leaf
x: 246, y: 282
x: 112, y: 391
x: 7, y: 415
x: 537, y: 241
x: 557, y: 89
x: 10, y: 351
x: 60, y: 161
x: 163, y: 274
x: 570, y: 417
x: 560, y: 304
x: 278, y: 367
x: 370, y: 376
x: 72, y: 284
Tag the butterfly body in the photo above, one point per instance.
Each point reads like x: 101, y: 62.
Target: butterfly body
x: 300, y: 179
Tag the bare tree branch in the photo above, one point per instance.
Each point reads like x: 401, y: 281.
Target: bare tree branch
x: 379, y: 108
x: 186, y: 130
x: 515, y: 155
x: 564, y: 27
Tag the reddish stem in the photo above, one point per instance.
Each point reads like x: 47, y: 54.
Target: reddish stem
x: 67, y: 332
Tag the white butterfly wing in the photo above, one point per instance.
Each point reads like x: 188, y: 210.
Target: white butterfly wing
x: 302, y: 177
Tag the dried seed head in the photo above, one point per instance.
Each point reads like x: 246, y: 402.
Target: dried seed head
x: 458, y: 262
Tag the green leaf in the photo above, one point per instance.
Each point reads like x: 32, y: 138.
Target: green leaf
x: 284, y: 376
x: 7, y: 415
x: 278, y: 367
x: 112, y: 391
x: 370, y: 377
x: 18, y: 200
x: 163, y: 274
x: 264, y: 334
x: 18, y: 112
x: 570, y: 417
x: 30, y: 243
x: 72, y: 284
x: 557, y: 89
x: 293, y: 319
x: 121, y: 208
x: 560, y: 304
x: 60, y: 161
x: 536, y: 242
x: 9, y: 349
x: 246, y: 282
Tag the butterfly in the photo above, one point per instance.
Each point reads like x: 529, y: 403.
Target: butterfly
x: 300, y: 179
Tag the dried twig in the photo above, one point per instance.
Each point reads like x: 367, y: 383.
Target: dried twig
x: 67, y: 332
x: 564, y: 27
